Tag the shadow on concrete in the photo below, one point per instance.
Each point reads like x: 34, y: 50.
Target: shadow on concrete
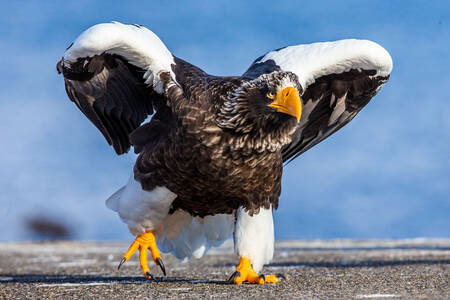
x: 404, y: 247
x: 350, y: 264
x: 84, y: 279
x: 358, y: 264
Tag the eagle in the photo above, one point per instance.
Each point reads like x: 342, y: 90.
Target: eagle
x: 210, y: 159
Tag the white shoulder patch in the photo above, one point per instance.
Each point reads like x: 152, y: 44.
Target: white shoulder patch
x: 318, y: 59
x: 137, y: 44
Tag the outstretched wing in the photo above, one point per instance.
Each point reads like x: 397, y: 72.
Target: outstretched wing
x: 112, y: 73
x: 338, y: 80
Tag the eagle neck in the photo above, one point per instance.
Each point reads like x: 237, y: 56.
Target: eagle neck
x: 263, y: 134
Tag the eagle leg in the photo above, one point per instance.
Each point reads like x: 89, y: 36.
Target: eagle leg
x: 245, y: 273
x: 145, y: 242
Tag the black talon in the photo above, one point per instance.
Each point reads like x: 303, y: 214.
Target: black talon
x: 150, y: 277
x: 263, y: 277
x: 121, y: 263
x: 281, y: 276
x: 233, y: 276
x: 160, y: 263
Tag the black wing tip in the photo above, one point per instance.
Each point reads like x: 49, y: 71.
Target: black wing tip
x: 120, y: 150
x: 59, y: 66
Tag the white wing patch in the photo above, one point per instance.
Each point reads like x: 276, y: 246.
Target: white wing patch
x: 312, y: 61
x: 137, y: 44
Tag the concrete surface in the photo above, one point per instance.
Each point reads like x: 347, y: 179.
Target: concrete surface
x: 340, y: 269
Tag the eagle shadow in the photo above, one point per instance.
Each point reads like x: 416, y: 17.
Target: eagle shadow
x: 89, y: 279
x: 350, y: 264
x: 86, y: 279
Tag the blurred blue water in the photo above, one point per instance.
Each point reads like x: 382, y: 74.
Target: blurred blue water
x: 385, y: 175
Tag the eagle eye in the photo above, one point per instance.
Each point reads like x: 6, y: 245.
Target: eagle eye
x: 270, y: 95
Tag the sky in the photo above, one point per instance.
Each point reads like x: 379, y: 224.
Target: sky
x: 384, y: 175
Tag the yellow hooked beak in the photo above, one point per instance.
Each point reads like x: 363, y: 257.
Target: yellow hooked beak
x: 288, y: 101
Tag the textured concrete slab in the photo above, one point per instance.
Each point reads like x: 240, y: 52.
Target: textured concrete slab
x: 348, y: 269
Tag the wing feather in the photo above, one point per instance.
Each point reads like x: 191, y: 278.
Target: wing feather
x: 329, y: 104
x: 112, y: 73
x: 113, y: 99
x: 338, y: 79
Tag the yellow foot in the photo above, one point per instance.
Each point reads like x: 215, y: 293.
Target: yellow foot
x: 244, y: 273
x: 145, y: 242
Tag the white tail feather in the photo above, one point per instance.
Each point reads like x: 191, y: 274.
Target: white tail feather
x: 185, y: 236
x: 113, y: 201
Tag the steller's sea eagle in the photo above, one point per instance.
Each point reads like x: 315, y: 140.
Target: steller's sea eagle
x: 211, y: 157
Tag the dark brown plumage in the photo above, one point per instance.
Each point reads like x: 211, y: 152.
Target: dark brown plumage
x: 213, y: 141
x: 211, y: 169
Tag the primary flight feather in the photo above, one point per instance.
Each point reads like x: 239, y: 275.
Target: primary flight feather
x: 211, y: 157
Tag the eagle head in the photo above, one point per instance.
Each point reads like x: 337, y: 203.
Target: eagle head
x: 269, y: 105
x: 273, y: 95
